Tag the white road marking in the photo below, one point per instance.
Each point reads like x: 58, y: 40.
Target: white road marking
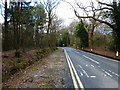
x: 92, y: 65
x: 84, y: 71
x: 86, y: 65
x: 71, y: 66
x: 92, y: 76
x: 115, y: 74
x: 80, y: 66
x: 105, y: 72
x: 100, y: 56
x: 105, y: 75
x: 91, y: 59
x: 109, y: 71
x: 81, y: 74
x: 108, y: 74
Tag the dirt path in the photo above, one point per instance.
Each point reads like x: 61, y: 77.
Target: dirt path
x: 50, y: 73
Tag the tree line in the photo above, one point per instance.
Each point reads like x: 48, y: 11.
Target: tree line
x: 30, y: 26
x: 104, y: 15
x: 37, y: 26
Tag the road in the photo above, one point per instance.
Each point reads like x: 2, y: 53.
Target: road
x: 92, y: 71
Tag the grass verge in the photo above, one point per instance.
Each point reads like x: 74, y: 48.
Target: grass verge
x: 14, y: 65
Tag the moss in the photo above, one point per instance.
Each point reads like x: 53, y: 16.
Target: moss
x: 31, y: 70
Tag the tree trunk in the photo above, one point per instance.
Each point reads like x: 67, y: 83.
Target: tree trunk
x: 90, y: 35
x: 90, y: 39
x: 6, y: 30
x: 17, y: 53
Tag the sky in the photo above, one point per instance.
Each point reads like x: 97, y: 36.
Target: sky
x: 64, y: 11
x: 1, y: 17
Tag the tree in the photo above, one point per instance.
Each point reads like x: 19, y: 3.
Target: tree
x: 102, y: 40
x: 92, y: 24
x: 50, y: 6
x: 71, y: 29
x: 115, y: 16
x: 82, y: 34
x: 112, y: 10
x: 5, y: 36
x: 6, y: 28
x: 27, y: 26
x: 64, y: 40
x: 39, y: 16
x: 15, y: 11
x: 17, y: 25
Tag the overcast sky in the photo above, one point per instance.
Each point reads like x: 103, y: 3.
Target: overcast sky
x: 64, y: 11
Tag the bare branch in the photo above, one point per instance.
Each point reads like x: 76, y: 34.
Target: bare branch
x: 101, y: 21
x: 104, y: 8
x: 105, y: 4
x: 86, y: 27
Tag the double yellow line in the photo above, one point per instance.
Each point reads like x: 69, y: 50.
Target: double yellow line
x: 74, y: 74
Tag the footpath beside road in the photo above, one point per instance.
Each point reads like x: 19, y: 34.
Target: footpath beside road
x: 52, y: 72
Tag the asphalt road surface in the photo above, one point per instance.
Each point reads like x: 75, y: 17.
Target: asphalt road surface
x: 92, y: 71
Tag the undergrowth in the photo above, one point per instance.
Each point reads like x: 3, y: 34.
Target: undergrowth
x: 16, y: 65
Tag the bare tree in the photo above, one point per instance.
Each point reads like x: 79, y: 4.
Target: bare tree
x: 50, y: 6
x: 92, y: 22
x: 94, y: 14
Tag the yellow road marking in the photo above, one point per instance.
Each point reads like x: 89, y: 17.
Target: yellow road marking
x: 79, y: 81
x: 70, y: 63
x: 73, y: 78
